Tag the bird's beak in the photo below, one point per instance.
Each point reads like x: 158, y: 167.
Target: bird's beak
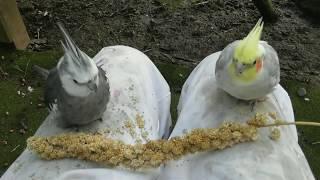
x: 93, y: 86
x: 239, y: 68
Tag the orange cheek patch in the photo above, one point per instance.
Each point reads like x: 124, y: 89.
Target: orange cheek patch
x: 258, y: 65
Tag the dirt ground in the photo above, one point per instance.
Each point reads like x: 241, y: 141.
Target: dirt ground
x: 182, y: 32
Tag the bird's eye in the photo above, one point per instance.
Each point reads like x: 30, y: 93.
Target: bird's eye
x: 254, y: 62
x: 75, y: 81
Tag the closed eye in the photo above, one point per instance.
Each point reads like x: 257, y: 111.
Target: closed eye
x: 78, y: 83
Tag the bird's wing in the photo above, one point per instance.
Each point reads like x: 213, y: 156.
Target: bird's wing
x: 52, y: 89
x: 102, y: 72
x: 41, y: 71
x: 271, y: 63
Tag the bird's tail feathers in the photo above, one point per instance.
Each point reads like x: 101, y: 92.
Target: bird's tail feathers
x: 42, y: 71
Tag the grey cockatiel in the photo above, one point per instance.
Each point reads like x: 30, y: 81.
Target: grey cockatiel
x: 248, y: 69
x: 76, y: 87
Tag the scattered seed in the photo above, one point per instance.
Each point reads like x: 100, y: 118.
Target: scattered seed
x: 22, y: 131
x: 30, y: 89
x: 275, y: 134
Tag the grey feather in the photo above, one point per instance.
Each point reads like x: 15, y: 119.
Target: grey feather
x: 272, y: 64
x: 71, y: 48
x: 265, y: 82
x: 69, y: 44
x: 43, y: 72
x: 73, y: 110
x: 52, y: 89
x: 80, y: 111
x: 76, y: 110
x: 225, y: 56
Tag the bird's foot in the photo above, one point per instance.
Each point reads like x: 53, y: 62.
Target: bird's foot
x: 253, y: 103
x: 262, y: 99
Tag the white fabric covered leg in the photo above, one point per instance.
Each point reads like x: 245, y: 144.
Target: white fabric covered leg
x: 203, y: 105
x: 139, y: 94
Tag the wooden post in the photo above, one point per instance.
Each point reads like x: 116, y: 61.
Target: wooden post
x: 12, y: 28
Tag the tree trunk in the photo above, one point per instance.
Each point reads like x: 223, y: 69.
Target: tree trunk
x: 266, y: 10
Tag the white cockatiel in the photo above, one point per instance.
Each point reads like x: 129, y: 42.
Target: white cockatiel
x: 248, y: 69
x: 204, y: 103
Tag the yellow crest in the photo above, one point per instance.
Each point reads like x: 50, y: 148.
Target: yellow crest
x: 247, y: 49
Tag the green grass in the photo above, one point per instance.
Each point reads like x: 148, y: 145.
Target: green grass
x: 23, y: 111
x: 18, y: 65
x: 307, y: 111
x: 175, y: 76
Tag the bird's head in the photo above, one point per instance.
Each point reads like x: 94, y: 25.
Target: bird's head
x: 77, y: 71
x: 247, y: 57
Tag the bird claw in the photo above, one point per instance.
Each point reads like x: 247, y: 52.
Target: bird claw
x: 253, y: 103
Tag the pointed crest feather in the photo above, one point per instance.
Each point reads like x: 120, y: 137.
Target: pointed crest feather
x: 69, y: 43
x: 71, y: 48
x: 247, y: 49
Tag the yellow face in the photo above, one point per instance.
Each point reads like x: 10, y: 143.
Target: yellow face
x: 246, y: 63
x: 248, y: 72
x: 246, y: 76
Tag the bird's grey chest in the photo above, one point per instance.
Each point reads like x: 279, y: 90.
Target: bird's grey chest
x: 81, y: 110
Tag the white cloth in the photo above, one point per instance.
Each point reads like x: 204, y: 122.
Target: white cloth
x: 137, y: 87
x: 203, y: 105
x: 138, y: 90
